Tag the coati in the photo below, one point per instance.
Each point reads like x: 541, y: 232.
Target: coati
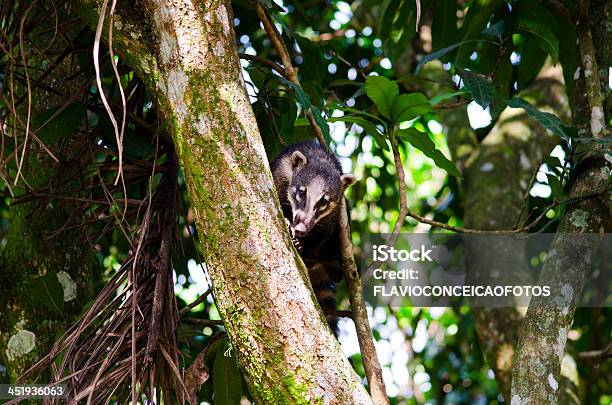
x: 311, y: 185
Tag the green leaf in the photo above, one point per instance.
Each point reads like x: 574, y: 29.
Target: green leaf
x: 502, y: 82
x: 336, y: 106
x: 480, y: 86
x: 312, y: 70
x: 437, y: 55
x: 322, y: 123
x: 367, y: 126
x: 409, y: 106
x: 444, y: 24
x: 402, y: 29
x: 478, y: 16
x: 382, y: 92
x: 446, y: 96
x: 423, y: 142
x: 546, y: 38
x: 532, y: 60
x: 568, y: 55
x: 304, y: 101
x: 548, y: 120
x: 219, y: 345
x: 554, y: 163
x: 227, y: 383
x: 388, y: 17
x: 564, y: 32
x: 58, y: 124
x: 555, y: 185
x: 300, y: 95
x: 495, y: 30
x: 47, y: 291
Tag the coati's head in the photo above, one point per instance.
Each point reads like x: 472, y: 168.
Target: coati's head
x: 315, y: 192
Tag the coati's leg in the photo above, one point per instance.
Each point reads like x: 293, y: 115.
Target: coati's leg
x: 323, y: 277
x: 325, y: 291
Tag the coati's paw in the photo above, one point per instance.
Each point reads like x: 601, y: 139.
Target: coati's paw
x: 295, y: 240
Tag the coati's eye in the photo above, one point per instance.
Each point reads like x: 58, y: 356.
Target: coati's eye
x: 301, y: 193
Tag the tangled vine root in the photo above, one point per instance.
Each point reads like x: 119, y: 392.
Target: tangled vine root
x: 133, y: 321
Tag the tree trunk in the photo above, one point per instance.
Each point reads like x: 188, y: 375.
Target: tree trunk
x: 494, y: 198
x: 46, y: 278
x: 544, y: 334
x: 31, y: 320
x: 185, y: 52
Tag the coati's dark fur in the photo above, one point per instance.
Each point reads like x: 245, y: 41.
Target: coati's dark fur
x: 311, y: 186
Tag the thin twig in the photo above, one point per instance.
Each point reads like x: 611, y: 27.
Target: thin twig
x: 29, y: 89
x: 524, y: 229
x: 123, y: 103
x: 206, y: 322
x: 451, y: 105
x: 96, y: 60
x: 290, y: 70
x: 604, y: 353
x: 401, y: 178
x: 371, y: 364
x: 265, y: 62
x: 195, y: 303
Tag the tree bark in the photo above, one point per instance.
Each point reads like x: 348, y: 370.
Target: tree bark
x: 185, y: 52
x: 496, y: 179
x: 493, y: 201
x: 544, y: 334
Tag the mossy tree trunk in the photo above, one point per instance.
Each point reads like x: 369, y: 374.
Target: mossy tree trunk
x: 545, y: 328
x: 496, y: 181
x: 31, y: 320
x: 46, y: 276
x: 497, y: 172
x: 186, y: 54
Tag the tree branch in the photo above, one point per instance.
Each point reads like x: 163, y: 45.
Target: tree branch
x: 195, y: 303
x: 371, y: 364
x: 604, y: 353
x: 265, y: 62
x: 591, y: 73
x: 290, y: 70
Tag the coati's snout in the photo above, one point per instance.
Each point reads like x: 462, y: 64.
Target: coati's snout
x: 301, y: 224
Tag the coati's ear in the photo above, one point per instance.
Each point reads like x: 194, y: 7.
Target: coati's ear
x: 298, y: 159
x: 347, y: 180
